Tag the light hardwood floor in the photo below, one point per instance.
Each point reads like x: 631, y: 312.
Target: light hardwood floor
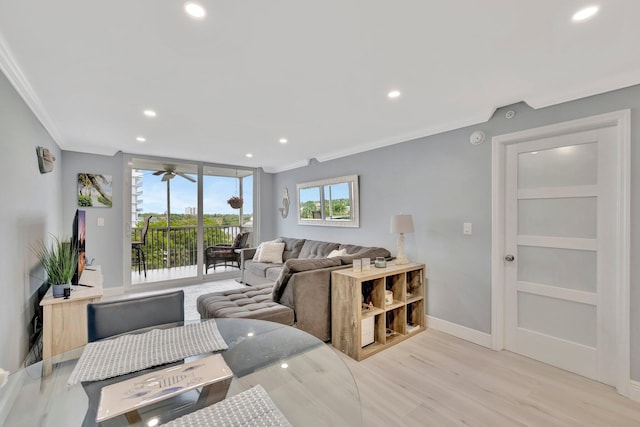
x: 434, y: 379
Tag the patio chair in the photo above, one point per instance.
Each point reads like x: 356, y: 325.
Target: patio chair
x: 138, y: 247
x: 225, y: 253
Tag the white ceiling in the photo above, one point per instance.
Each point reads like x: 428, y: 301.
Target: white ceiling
x: 314, y: 72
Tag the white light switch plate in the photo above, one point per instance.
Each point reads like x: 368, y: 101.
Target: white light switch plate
x: 100, y: 222
x: 466, y: 228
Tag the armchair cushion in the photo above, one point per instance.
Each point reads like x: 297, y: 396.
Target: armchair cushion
x: 237, y: 242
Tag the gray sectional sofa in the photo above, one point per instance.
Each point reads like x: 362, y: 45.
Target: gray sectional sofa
x: 303, y: 281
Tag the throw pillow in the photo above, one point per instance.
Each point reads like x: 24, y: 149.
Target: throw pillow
x: 256, y: 255
x: 336, y: 253
x: 271, y: 252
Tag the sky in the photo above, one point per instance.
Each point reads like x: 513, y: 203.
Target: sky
x: 338, y: 191
x: 185, y: 193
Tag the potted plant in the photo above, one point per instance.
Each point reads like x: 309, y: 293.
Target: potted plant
x: 235, y: 202
x: 59, y: 260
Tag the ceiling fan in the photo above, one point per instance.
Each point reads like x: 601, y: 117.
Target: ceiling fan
x: 169, y: 172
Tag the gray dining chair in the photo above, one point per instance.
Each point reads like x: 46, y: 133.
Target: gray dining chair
x: 106, y: 319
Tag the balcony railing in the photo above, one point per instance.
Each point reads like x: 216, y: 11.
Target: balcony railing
x: 168, y: 247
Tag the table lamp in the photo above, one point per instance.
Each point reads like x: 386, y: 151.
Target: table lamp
x: 401, y: 224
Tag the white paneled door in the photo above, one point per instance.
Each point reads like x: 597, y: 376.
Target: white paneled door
x: 560, y: 252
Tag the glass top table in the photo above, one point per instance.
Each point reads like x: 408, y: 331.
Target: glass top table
x: 308, y: 382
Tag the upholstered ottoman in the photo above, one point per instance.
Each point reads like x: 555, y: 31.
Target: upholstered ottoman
x: 252, y: 302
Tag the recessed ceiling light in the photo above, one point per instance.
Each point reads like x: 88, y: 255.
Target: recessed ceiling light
x: 150, y: 113
x: 249, y: 155
x: 394, y: 94
x: 584, y: 14
x: 195, y: 10
x: 141, y: 139
x: 283, y: 140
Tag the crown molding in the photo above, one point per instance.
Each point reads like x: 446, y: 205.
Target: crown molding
x: 283, y: 168
x: 603, y: 86
x: 9, y: 66
x: 422, y: 133
x: 361, y: 148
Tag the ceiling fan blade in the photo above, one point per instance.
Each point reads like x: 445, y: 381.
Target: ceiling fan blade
x: 185, y: 176
x: 158, y: 173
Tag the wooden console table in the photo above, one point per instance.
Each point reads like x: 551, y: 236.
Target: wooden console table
x: 392, y: 322
x: 64, y: 325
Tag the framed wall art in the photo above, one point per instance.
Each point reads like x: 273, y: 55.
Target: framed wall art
x: 94, y: 190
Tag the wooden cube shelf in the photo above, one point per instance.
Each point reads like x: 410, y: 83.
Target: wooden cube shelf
x: 352, y: 291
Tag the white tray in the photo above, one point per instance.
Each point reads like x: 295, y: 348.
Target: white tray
x: 134, y: 393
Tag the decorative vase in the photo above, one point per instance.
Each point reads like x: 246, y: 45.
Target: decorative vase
x: 58, y: 290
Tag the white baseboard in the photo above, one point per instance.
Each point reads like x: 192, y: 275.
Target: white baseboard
x: 459, y: 331
x: 634, y: 390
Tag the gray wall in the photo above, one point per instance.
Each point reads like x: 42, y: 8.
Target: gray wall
x: 265, y: 204
x: 30, y: 209
x: 102, y: 243
x: 444, y: 181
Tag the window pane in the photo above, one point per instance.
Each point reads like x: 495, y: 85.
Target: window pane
x: 337, y: 202
x: 562, y: 217
x: 559, y: 167
x: 567, y: 320
x: 310, y: 207
x: 565, y: 268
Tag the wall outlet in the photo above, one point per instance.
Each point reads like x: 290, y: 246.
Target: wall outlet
x: 466, y: 228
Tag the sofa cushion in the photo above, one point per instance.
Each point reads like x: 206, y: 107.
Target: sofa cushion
x: 272, y: 273
x: 263, y: 269
x: 292, y: 247
x: 292, y: 266
x: 365, y: 251
x: 259, y: 268
x: 317, y: 249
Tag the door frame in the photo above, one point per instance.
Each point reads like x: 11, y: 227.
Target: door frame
x: 621, y: 120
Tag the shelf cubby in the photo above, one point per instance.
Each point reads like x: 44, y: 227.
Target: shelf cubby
x: 415, y: 316
x: 360, y: 296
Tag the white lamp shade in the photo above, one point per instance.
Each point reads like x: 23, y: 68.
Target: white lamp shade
x: 402, y: 223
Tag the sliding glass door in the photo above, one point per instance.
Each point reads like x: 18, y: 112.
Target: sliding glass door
x: 186, y: 223
x: 227, y: 212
